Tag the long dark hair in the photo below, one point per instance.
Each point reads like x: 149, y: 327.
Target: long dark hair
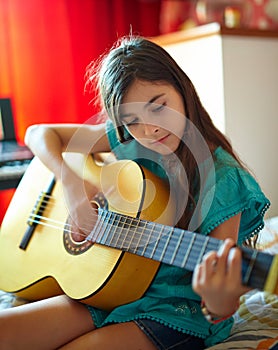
x: 136, y: 58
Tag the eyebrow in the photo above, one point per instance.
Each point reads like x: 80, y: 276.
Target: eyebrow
x: 152, y: 100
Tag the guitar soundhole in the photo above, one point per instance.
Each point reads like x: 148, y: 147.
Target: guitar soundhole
x: 72, y: 246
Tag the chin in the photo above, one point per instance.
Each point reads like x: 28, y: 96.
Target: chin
x: 163, y: 150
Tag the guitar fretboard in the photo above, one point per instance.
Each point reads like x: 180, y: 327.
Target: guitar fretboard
x: 171, y: 245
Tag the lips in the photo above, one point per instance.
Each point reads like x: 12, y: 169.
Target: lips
x: 161, y: 140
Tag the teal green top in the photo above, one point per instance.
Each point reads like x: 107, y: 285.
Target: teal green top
x: 170, y: 299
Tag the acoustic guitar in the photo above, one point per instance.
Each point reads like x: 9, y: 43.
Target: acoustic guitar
x: 121, y: 255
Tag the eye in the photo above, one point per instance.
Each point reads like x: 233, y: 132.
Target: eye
x: 131, y: 122
x: 159, y: 108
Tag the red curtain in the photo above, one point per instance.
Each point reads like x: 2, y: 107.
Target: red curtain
x: 45, y: 46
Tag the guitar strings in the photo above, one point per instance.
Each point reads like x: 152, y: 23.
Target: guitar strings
x: 146, y: 232
x: 184, y: 255
x: 49, y: 202
x: 134, y: 222
x: 43, y: 220
x: 192, y: 254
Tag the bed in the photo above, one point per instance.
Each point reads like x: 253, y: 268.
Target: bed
x: 256, y: 321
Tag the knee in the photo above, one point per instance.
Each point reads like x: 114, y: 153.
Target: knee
x: 7, y: 331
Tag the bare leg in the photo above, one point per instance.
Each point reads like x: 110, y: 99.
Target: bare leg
x: 47, y: 324
x: 120, y: 336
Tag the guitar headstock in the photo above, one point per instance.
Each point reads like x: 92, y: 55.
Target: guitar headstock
x: 271, y: 284
x: 259, y: 270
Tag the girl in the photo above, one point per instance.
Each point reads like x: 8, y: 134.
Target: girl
x: 157, y: 120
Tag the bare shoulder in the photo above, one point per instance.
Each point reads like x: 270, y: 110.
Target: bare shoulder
x: 228, y: 229
x: 84, y: 138
x: 91, y: 138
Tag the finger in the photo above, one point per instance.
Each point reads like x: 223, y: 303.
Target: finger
x: 223, y: 254
x: 234, y: 274
x: 210, y: 261
x: 203, y: 272
x: 234, y: 265
x: 226, y: 246
x: 197, y: 280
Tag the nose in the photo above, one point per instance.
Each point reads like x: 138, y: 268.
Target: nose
x: 150, y: 129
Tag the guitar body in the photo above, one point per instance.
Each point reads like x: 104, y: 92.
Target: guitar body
x: 52, y: 263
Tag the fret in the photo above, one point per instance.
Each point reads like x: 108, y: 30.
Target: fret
x: 130, y: 234
x: 105, y: 217
x: 260, y: 267
x: 157, y: 240
x: 193, y: 236
x: 202, y: 251
x: 149, y: 249
x: 197, y: 251
x: 177, y: 246
x: 213, y: 244
x: 125, y: 234
x: 114, y: 224
x: 250, y: 268
x: 145, y: 239
x: 114, y: 239
x: 183, y: 247
x: 95, y: 233
x: 135, y: 236
x: 194, y: 255
x: 162, y: 244
x: 141, y: 235
x: 172, y: 244
x: 123, y: 222
x: 111, y: 228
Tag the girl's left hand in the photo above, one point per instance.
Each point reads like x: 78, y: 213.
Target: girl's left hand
x: 217, y: 279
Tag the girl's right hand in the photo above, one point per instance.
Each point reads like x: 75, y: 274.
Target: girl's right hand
x: 82, y: 213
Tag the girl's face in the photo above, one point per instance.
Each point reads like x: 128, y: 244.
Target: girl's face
x: 154, y: 115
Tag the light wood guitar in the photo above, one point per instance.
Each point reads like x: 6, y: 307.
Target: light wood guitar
x: 123, y: 251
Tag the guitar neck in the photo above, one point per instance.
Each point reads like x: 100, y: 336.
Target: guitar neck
x: 171, y: 245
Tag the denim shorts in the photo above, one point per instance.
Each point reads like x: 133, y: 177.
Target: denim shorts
x: 166, y: 338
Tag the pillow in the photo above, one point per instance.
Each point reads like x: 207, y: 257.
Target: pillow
x: 256, y: 323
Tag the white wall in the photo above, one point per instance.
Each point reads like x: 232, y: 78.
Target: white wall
x: 251, y: 105
x: 201, y: 59
x: 237, y: 80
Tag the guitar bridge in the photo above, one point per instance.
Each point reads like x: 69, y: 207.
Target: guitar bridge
x: 36, y: 214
